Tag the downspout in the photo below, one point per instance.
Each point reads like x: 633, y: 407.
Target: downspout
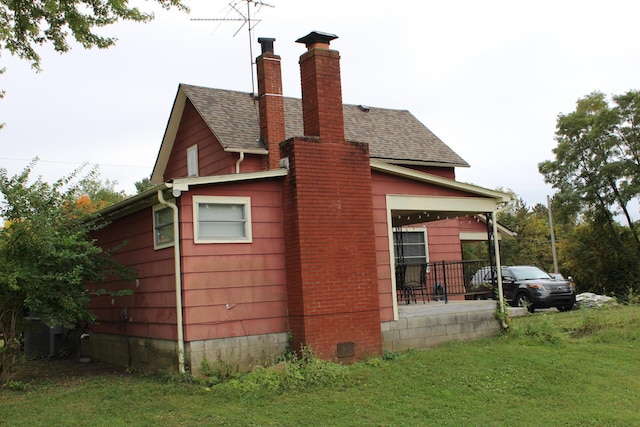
x: 240, y: 160
x: 496, y: 250
x: 176, y: 257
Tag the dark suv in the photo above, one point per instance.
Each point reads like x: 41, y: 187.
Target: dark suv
x: 529, y: 286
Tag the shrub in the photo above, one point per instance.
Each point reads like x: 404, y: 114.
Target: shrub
x: 294, y: 373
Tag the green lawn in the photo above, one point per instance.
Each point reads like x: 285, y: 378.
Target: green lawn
x: 580, y: 368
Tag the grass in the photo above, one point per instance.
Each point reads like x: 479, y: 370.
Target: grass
x: 580, y: 368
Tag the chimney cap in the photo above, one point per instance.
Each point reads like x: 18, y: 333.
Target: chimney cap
x: 266, y: 44
x: 315, y: 38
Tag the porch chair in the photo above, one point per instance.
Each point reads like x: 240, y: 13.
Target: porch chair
x: 411, y: 283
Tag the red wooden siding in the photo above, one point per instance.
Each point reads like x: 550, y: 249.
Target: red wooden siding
x: 212, y: 159
x: 229, y: 289
x: 472, y: 224
x: 151, y: 310
x: 434, y: 170
x: 235, y: 289
x: 444, y: 240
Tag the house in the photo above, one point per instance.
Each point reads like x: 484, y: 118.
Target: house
x: 273, y: 224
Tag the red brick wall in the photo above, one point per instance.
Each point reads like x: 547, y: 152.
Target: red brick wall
x: 271, y: 106
x: 328, y: 217
x: 330, y: 247
x: 322, y: 95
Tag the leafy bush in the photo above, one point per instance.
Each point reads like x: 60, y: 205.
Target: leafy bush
x: 294, y: 373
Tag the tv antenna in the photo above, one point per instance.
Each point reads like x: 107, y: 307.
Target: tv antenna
x: 246, y: 19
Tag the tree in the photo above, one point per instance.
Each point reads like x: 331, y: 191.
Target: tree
x: 598, y: 262
x: 96, y: 194
x: 597, y: 160
x: 24, y: 25
x: 143, y: 185
x: 47, y: 258
x: 532, y: 244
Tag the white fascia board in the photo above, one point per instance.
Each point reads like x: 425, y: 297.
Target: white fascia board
x: 132, y: 204
x: 169, y: 137
x: 184, y: 183
x: 475, y: 236
x: 440, y: 203
x: 262, y: 151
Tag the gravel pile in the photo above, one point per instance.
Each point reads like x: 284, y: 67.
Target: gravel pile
x: 589, y: 299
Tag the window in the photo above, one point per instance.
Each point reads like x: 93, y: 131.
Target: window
x: 222, y: 219
x: 192, y: 161
x: 410, y: 246
x: 162, y: 227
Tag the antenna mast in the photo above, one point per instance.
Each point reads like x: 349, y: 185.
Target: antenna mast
x: 246, y: 20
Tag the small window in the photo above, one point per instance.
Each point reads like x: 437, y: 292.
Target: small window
x: 192, y: 160
x: 222, y: 219
x: 410, y: 246
x: 162, y: 227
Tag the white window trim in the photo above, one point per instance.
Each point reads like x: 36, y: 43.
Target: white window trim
x: 246, y: 201
x: 192, y: 161
x: 426, y: 239
x: 155, y: 241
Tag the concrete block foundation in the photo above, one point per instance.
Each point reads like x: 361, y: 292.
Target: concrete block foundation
x: 148, y: 354
x: 428, y: 325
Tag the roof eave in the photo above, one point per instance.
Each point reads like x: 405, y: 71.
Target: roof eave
x: 183, y: 184
x: 385, y: 167
x: 132, y: 204
x: 157, y: 176
x: 420, y: 162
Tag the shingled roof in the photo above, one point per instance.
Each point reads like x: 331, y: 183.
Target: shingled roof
x: 394, y: 136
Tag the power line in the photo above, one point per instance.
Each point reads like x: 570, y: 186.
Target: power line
x: 62, y: 162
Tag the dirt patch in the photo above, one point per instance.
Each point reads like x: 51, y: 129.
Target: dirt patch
x: 62, y: 370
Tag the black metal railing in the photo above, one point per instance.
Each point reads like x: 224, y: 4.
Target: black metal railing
x: 437, y: 281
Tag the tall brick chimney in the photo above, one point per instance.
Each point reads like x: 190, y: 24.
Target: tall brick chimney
x: 332, y: 283
x: 321, y: 88
x: 270, y: 102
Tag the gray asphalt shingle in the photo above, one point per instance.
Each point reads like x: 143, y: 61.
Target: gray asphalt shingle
x: 392, y: 135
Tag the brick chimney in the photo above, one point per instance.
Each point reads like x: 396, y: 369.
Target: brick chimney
x: 332, y: 283
x: 270, y: 102
x: 321, y: 88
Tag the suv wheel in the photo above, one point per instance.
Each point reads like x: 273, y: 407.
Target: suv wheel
x: 523, y: 300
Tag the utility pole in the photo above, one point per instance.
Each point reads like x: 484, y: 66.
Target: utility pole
x: 553, y: 237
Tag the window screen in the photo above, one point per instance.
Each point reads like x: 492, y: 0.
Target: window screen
x: 162, y: 227
x: 410, y: 246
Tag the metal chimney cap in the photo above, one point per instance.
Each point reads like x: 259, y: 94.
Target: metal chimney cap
x: 267, y: 44
x: 316, y: 37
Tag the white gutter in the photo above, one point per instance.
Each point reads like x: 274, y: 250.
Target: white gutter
x: 178, y: 272
x: 240, y: 160
x: 496, y: 250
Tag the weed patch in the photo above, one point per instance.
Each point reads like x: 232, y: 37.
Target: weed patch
x: 293, y: 374
x: 542, y: 331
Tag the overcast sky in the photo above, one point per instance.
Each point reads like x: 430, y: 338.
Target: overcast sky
x: 488, y: 77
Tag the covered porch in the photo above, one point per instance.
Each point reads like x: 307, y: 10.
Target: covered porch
x: 418, y: 279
